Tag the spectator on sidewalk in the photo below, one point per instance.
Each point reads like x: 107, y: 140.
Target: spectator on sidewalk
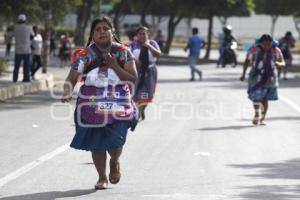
x: 23, y: 36
x: 8, y: 35
x: 65, y: 50
x: 194, y: 45
x: 36, y: 45
x: 53, y: 43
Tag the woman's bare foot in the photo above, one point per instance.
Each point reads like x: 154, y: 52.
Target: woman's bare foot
x: 101, y: 184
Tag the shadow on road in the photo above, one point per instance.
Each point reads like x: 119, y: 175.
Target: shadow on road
x: 283, y: 118
x: 172, y: 61
x: 285, y: 170
x: 271, y: 192
x: 30, y: 101
x: 53, y: 195
x: 225, y: 128
x: 159, y: 81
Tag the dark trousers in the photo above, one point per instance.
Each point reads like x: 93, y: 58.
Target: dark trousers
x: 36, y: 64
x: 26, y: 67
x: 7, y: 51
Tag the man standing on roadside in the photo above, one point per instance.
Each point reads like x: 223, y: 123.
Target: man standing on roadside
x: 23, y: 36
x: 195, y: 43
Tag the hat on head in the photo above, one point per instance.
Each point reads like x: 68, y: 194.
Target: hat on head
x: 22, y: 18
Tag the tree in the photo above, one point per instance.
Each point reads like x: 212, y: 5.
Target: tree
x: 10, y: 9
x: 238, y: 9
x: 120, y: 8
x: 83, y: 15
x: 275, y: 8
x: 224, y: 8
x: 47, y: 13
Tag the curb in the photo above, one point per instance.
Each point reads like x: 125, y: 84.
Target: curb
x: 21, y: 89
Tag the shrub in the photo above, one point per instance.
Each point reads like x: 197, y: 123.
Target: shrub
x: 3, y: 66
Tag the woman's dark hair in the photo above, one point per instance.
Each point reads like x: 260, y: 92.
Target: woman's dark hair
x: 288, y: 34
x: 265, y: 37
x: 94, y: 24
x: 144, y: 28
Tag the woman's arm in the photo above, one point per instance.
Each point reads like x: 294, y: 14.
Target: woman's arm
x: 69, y: 84
x: 280, y: 61
x: 245, y: 67
x: 155, y: 52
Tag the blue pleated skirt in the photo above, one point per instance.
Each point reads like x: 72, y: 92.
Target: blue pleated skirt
x: 102, y: 139
x: 263, y: 94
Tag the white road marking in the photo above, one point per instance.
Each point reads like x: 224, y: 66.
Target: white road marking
x: 184, y: 196
x: 202, y: 154
x: 290, y: 103
x: 19, y: 172
x: 35, y: 126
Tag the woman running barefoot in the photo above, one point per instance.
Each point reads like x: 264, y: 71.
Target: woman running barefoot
x: 105, y: 110
x: 146, y: 53
x: 265, y: 58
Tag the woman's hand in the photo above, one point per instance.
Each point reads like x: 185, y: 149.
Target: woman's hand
x: 280, y: 64
x: 155, y: 52
x: 147, y: 43
x: 66, y: 97
x: 111, y: 61
x: 69, y: 85
x: 242, y: 78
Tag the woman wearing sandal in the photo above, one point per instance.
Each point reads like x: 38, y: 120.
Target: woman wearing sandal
x: 104, y: 109
x: 265, y: 58
x: 146, y: 53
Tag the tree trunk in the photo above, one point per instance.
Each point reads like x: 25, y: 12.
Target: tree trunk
x: 118, y: 13
x: 83, y: 17
x: 189, y: 26
x: 156, y: 20
x: 148, y: 4
x: 273, y: 19
x: 46, y: 41
x: 173, y: 22
x: 209, y: 35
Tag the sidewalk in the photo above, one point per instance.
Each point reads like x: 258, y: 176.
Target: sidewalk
x: 8, y: 89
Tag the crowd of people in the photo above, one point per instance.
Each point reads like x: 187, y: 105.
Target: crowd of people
x: 119, y: 81
x: 29, y: 48
x: 268, y: 59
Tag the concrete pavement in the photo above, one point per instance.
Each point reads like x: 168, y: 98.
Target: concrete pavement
x: 197, y: 143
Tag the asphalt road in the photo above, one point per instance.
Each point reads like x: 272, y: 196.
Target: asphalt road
x: 197, y: 142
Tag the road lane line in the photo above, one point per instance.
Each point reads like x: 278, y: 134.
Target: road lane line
x: 202, y: 154
x: 19, y: 172
x: 290, y: 103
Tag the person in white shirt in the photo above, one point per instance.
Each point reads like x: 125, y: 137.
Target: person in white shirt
x: 8, y: 40
x: 22, y: 35
x: 36, y: 46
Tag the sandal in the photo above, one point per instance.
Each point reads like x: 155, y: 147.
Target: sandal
x: 115, y: 174
x: 101, y: 185
x: 255, y: 121
x: 262, y: 122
